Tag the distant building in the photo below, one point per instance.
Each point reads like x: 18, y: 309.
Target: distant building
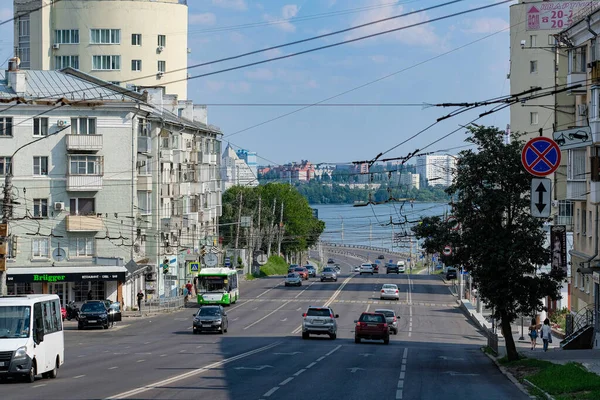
x: 410, y: 180
x: 235, y: 171
x: 436, y: 170
x: 249, y: 158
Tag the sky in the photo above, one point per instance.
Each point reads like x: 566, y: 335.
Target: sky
x: 422, y: 74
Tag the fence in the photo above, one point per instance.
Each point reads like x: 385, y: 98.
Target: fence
x: 363, y: 247
x: 163, y: 304
x: 492, y: 341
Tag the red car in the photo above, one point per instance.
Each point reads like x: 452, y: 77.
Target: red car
x: 63, y: 312
x: 302, y: 271
x: 372, y: 326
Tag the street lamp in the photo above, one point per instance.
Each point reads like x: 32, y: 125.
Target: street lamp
x: 7, y: 211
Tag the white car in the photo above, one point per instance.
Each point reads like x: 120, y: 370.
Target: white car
x: 401, y: 267
x: 357, y: 268
x: 389, y: 291
x: 366, y: 269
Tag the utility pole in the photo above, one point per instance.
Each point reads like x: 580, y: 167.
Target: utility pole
x: 271, y: 228
x: 342, y: 229
x: 371, y: 234
x: 239, y: 221
x: 280, y: 231
x: 259, y: 237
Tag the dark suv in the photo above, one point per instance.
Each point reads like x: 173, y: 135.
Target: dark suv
x: 451, y: 274
x: 93, y: 313
x: 372, y: 326
x: 392, y: 267
x: 210, y: 318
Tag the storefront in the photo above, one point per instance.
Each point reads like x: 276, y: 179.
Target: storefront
x: 76, y: 284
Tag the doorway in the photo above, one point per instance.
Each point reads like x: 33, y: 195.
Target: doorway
x: 59, y: 288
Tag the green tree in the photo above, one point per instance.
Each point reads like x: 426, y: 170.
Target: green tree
x: 499, y: 242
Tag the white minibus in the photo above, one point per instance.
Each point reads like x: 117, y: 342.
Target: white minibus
x: 31, y: 336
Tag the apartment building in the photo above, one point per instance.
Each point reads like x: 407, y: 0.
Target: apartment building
x: 105, y: 185
x: 235, y: 171
x: 134, y: 42
x: 436, y: 170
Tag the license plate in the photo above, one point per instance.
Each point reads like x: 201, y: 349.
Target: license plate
x: 92, y: 321
x: 206, y: 325
x: 318, y: 321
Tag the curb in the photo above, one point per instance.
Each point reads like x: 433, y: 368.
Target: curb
x: 510, y: 376
x: 548, y: 396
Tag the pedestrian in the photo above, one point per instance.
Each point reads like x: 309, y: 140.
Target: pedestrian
x: 140, y: 297
x: 546, y: 333
x: 189, y: 287
x: 89, y: 295
x: 533, y: 334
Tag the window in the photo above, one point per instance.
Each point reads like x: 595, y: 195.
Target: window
x: 145, y: 202
x: 577, y: 60
x: 532, y: 40
x: 82, y: 206
x: 583, y: 221
x: 136, y: 65
x: 40, y: 127
x: 40, y: 208
x: 533, y: 118
x: 143, y: 128
x: 533, y: 67
x: 61, y: 62
x: 5, y: 165
x: 83, y: 126
x: 40, y: 248
x: 162, y: 40
x: 565, y: 212
x: 107, y: 63
x: 105, y: 36
x: 40, y: 166
x: 24, y: 41
x: 576, y: 165
x: 81, y: 290
x: 590, y: 223
x: 6, y: 124
x: 66, y: 36
x: 82, y: 247
x: 24, y: 26
x: 136, y: 39
x: 143, y: 165
x: 85, y: 165
x: 162, y: 66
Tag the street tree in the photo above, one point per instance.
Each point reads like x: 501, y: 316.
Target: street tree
x: 499, y: 242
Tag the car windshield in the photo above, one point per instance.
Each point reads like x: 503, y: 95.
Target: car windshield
x: 310, y: 267
x: 387, y: 313
x: 209, y: 312
x: 389, y: 286
x: 93, y: 307
x: 300, y: 269
x: 208, y: 284
x: 14, y: 322
x: 373, y: 318
x: 292, y: 275
x: 318, y: 312
x: 328, y: 269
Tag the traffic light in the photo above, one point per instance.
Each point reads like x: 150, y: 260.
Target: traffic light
x: 203, y: 251
x: 165, y: 266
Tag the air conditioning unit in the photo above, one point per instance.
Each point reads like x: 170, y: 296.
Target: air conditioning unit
x: 160, y: 48
x: 140, y: 164
x: 62, y: 122
x: 56, y: 46
x: 151, y: 276
x: 59, y: 206
x: 582, y: 110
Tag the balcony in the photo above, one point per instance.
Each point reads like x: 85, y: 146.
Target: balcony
x: 80, y: 223
x: 166, y: 155
x: 575, y: 78
x: 171, y: 224
x: 165, y: 190
x: 144, y: 183
x: 91, y: 143
x: 144, y: 144
x: 190, y: 219
x: 84, y: 183
x: 576, y: 190
x: 181, y: 156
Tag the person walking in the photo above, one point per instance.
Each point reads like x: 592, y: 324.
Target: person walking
x: 89, y: 295
x: 546, y: 333
x: 533, y: 334
x: 140, y: 297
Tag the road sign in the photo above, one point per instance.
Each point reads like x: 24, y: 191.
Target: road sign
x: 227, y: 262
x: 194, y: 267
x: 447, y: 251
x: 211, y: 260
x: 573, y: 138
x: 541, y: 189
x: 262, y: 259
x: 453, y: 222
x: 541, y: 156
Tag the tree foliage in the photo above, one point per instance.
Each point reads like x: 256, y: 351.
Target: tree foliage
x: 499, y: 242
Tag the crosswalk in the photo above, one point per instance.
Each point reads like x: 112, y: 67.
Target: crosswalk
x: 339, y: 301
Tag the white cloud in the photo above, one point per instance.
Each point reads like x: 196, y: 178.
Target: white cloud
x: 378, y: 58
x: 260, y: 74
x: 422, y: 35
x: 239, y: 5
x: 287, y: 12
x: 203, y: 19
x: 239, y: 87
x: 485, y: 25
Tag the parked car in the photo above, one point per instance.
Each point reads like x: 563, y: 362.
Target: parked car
x: 389, y: 291
x: 366, y: 269
x: 381, y: 257
x: 375, y: 268
x: 392, y: 267
x: 293, y: 279
x: 451, y: 274
x: 303, y: 272
x: 210, y: 318
x: 372, y: 326
x: 312, y: 271
x: 319, y: 321
x: 330, y: 261
x: 391, y: 318
x: 401, y: 266
x: 328, y: 274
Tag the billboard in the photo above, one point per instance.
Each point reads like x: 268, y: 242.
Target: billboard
x: 558, y: 247
x: 557, y: 15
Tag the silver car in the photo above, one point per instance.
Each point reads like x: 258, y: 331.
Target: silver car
x: 391, y: 318
x: 389, y: 291
x: 293, y: 279
x: 328, y: 274
x: 319, y: 321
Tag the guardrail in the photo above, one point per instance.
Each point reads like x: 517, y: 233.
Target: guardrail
x: 363, y: 247
x: 165, y: 304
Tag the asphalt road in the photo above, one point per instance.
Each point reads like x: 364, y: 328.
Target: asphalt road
x: 436, y: 354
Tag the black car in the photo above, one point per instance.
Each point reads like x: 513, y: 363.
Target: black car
x: 375, y: 268
x: 330, y: 261
x: 93, y: 314
x: 312, y: 272
x: 392, y: 267
x: 451, y: 274
x: 210, y: 319
x: 381, y: 257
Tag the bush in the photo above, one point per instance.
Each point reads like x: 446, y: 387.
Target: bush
x: 559, y: 317
x: 275, y: 266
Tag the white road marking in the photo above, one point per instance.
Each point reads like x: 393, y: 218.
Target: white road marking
x: 402, y: 374
x: 400, y: 391
x: 41, y: 385
x: 266, y: 316
x: 198, y: 346
x: 299, y: 372
x: 255, y: 308
x: 298, y: 295
x: 190, y: 374
x: 334, y: 350
x: 268, y: 290
x: 78, y: 376
x: 270, y: 392
x: 399, y: 394
x: 113, y: 367
x: 140, y: 361
x: 312, y: 364
x: 163, y: 355
x: 367, y: 310
x: 288, y: 380
x: 320, y: 358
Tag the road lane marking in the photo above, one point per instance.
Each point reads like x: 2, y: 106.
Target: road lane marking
x: 298, y: 295
x: 299, y: 372
x: 270, y: 392
x: 266, y: 316
x: 312, y: 364
x: 140, y: 361
x: 400, y: 390
x: 268, y: 290
x: 321, y: 358
x: 78, y: 376
x: 368, y: 308
x: 40, y: 385
x: 334, y: 350
x: 288, y: 380
x: 113, y: 367
x: 190, y: 374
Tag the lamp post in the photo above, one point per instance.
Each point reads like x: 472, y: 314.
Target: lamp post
x: 7, y: 204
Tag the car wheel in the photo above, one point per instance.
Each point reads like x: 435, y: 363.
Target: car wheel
x: 356, y: 339
x: 305, y: 335
x: 194, y: 331
x: 54, y: 373
x: 30, y: 378
x: 79, y: 327
x: 333, y: 336
x: 386, y: 340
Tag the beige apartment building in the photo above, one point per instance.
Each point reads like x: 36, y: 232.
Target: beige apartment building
x: 133, y: 43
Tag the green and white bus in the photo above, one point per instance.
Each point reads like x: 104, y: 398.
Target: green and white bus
x: 217, y: 286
